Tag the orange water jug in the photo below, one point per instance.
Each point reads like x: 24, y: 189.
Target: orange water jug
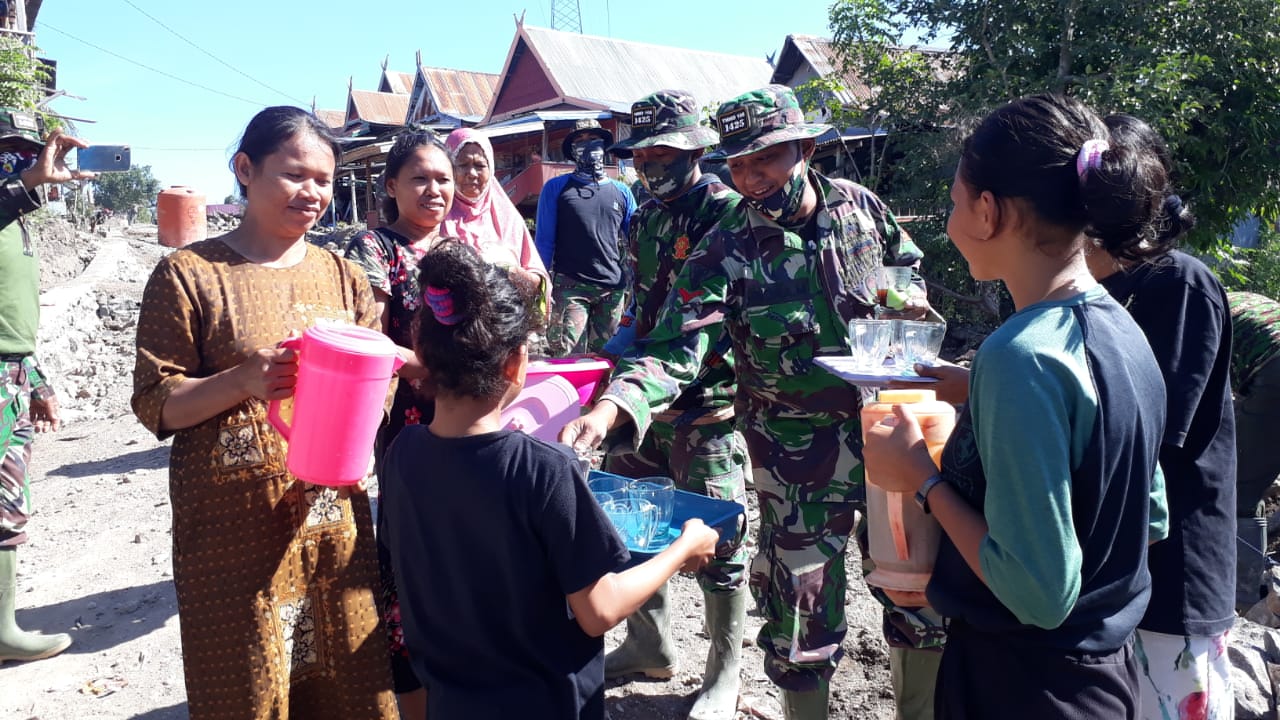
x: 180, y: 218
x: 903, y: 539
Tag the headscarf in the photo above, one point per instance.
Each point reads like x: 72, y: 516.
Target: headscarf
x: 490, y: 223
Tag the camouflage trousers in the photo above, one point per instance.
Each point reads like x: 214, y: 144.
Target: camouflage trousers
x: 808, y: 478
x: 708, y: 459
x: 16, y: 434
x: 583, y: 316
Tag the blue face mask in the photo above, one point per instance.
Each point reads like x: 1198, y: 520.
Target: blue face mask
x: 14, y: 162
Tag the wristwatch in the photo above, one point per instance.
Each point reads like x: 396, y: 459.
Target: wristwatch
x: 922, y: 495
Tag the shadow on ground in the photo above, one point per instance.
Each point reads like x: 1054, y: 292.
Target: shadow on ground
x: 104, y: 620
x: 173, y: 712
x: 152, y: 459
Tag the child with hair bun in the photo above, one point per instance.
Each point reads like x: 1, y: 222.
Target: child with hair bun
x: 1049, y: 491
x: 505, y: 563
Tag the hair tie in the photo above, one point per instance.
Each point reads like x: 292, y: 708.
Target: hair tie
x: 1090, y: 156
x: 441, y: 302
x: 1173, y: 205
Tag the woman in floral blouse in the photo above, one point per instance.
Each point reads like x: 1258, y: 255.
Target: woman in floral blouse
x: 419, y: 187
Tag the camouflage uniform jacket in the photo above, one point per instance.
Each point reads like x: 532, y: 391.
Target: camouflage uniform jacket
x: 783, y: 299
x: 663, y: 236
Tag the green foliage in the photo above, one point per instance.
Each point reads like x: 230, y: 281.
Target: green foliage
x: 121, y: 191
x: 1204, y: 73
x: 21, y: 75
x: 143, y: 215
x: 1254, y: 270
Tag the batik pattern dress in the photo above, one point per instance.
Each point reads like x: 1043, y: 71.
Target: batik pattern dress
x: 275, y: 577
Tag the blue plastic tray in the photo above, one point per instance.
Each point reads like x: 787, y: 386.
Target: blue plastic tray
x: 723, y: 515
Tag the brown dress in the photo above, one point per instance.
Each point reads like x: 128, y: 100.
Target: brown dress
x: 275, y: 577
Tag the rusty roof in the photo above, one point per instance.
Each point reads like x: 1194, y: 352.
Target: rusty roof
x: 334, y: 119
x: 606, y: 73
x: 823, y: 60
x: 397, y: 83
x: 377, y: 108
x: 460, y: 93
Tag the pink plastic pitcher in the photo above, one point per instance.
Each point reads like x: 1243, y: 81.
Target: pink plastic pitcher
x: 582, y: 373
x: 343, y: 375
x: 543, y: 407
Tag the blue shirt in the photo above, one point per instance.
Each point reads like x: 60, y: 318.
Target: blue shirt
x: 581, y: 226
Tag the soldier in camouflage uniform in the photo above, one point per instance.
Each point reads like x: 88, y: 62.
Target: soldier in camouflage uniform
x: 27, y: 402
x: 694, y: 440
x: 783, y: 273
x: 1255, y: 381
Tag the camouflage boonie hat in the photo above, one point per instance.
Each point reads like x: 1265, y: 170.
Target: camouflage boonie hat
x: 667, y: 117
x: 20, y: 125
x: 760, y: 118
x: 584, y: 127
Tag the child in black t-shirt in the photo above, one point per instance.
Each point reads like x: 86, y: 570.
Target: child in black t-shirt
x: 504, y: 560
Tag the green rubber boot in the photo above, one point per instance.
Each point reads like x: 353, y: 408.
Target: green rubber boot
x: 14, y: 643
x: 726, y: 614
x: 810, y: 705
x: 648, y: 647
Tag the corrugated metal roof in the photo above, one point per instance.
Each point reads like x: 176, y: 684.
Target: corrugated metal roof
x: 397, y: 83
x: 461, y: 93
x: 825, y: 61
x: 614, y: 73
x: 335, y: 119
x: 378, y: 108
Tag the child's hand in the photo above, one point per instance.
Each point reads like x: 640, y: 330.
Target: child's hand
x: 700, y: 542
x: 953, y: 381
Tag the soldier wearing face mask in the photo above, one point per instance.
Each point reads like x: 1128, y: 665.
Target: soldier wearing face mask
x: 27, y: 402
x: 694, y: 441
x: 781, y: 274
x: 583, y: 219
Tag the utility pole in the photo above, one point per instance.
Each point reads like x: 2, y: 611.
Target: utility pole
x: 566, y: 15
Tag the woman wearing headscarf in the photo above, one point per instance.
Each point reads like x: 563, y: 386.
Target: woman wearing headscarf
x: 485, y: 218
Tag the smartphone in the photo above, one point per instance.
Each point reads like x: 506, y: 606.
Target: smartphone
x: 103, y: 158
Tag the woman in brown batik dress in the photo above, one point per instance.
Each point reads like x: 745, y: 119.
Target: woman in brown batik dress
x: 275, y: 577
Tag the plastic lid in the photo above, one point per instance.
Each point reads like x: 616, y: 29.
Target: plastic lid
x: 354, y: 339
x: 906, y: 396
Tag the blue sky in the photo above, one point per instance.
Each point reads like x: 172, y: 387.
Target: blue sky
x: 252, y: 53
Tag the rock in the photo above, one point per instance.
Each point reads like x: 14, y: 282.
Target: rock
x: 1251, y: 660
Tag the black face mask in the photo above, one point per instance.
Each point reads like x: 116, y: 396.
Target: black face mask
x: 589, y: 156
x: 667, y: 181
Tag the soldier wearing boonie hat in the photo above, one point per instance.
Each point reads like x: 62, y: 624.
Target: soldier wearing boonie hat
x: 27, y: 401
x: 694, y: 441
x: 781, y: 274
x: 583, y: 218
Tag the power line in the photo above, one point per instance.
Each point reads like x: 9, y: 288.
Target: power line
x: 144, y: 66
x: 181, y: 37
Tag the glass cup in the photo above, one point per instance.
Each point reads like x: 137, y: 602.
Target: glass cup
x: 869, y: 342
x: 661, y: 491
x: 635, y: 520
x: 921, y: 341
x: 606, y: 488
x: 891, y: 278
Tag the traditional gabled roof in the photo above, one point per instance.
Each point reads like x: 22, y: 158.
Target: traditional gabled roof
x: 396, y: 83
x: 334, y: 119
x: 376, y: 108
x: 548, y: 69
x: 462, y: 95
x: 805, y: 57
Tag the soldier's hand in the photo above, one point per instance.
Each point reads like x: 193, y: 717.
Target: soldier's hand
x: 700, y: 544
x: 51, y: 163
x: 44, y: 413
x: 587, y: 432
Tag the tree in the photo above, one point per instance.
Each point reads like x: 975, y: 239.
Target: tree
x: 1204, y: 73
x: 121, y: 191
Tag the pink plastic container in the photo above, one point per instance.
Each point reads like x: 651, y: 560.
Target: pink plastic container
x: 343, y: 375
x: 583, y: 373
x: 543, y: 407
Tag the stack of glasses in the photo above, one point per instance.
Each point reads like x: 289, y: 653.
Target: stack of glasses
x: 889, y: 343
x: 639, y: 509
